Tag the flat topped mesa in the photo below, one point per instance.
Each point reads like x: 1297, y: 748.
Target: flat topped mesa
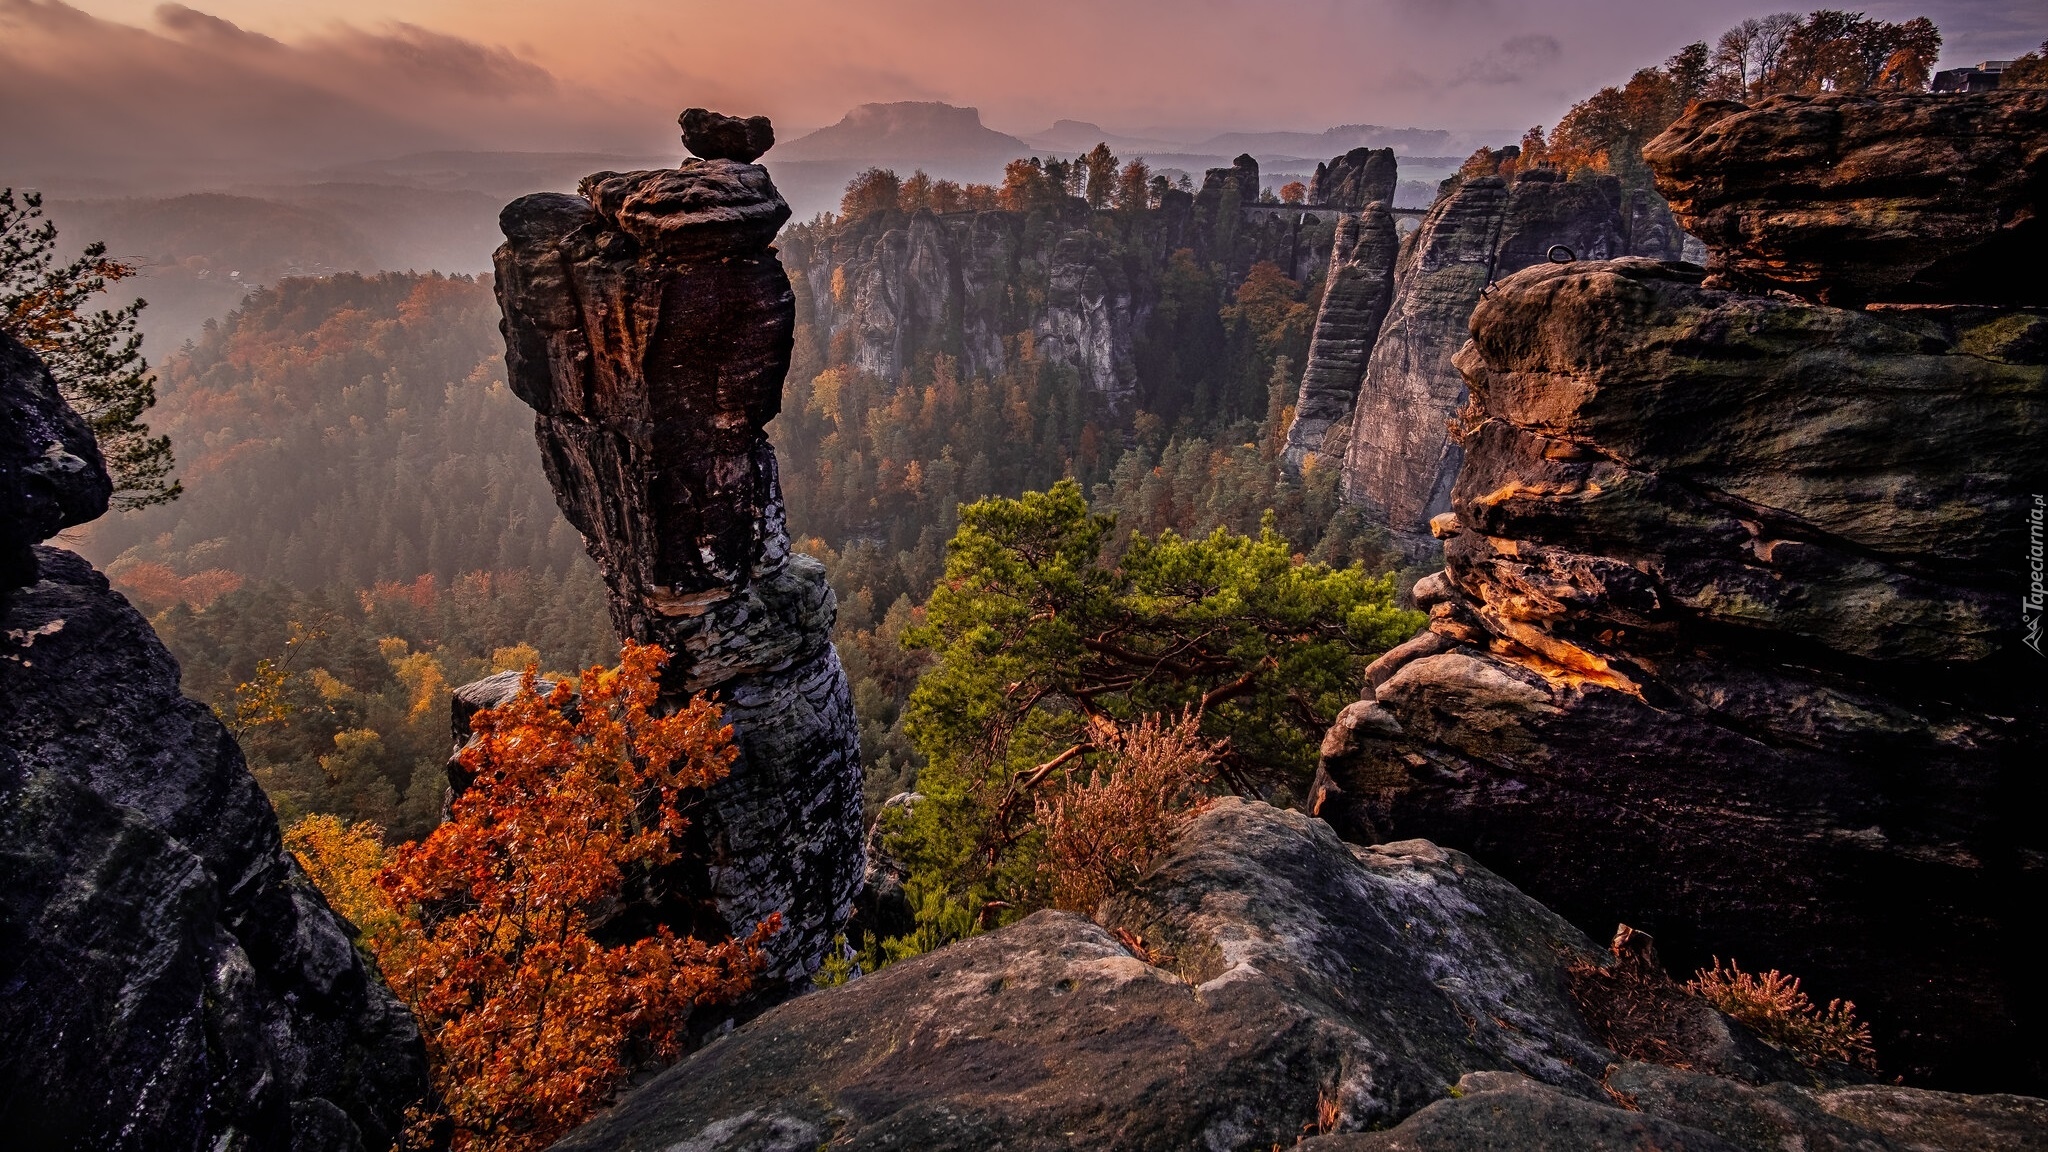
x: 649, y: 324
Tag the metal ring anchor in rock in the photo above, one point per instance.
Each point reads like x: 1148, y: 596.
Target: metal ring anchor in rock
x: 1559, y: 254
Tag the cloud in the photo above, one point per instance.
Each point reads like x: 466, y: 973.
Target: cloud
x: 251, y: 83
x: 1517, y: 59
x: 84, y: 95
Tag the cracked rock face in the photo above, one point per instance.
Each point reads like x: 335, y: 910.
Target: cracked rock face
x: 1400, y: 458
x: 169, y: 978
x: 1729, y: 644
x: 51, y: 475
x: 649, y: 325
x: 1851, y: 198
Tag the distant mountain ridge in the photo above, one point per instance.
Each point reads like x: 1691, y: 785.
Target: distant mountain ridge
x: 909, y: 130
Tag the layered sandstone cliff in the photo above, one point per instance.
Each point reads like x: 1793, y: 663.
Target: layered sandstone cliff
x: 1730, y: 643
x: 1849, y: 198
x: 649, y: 324
x: 1356, y: 294
x: 169, y: 978
x: 1400, y: 459
x: 888, y: 292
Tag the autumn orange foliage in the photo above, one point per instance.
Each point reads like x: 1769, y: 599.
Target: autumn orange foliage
x: 530, y: 1022
x: 1774, y: 1005
x: 1105, y: 831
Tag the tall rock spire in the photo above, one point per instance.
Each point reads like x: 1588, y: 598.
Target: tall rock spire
x: 649, y: 323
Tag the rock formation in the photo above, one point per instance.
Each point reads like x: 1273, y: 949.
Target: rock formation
x: 894, y: 290
x: 1360, y: 177
x: 1730, y: 643
x: 51, y: 474
x: 1401, y: 460
x: 1356, y: 293
x: 168, y: 976
x: 716, y: 137
x: 1808, y: 194
x: 1265, y: 980
x: 649, y: 324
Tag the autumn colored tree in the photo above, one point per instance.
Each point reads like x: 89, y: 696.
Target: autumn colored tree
x: 1134, y: 187
x: 343, y: 860
x: 95, y: 356
x: 529, y: 1020
x: 875, y: 190
x: 916, y: 192
x: 946, y: 196
x: 1033, y: 183
x: 1293, y: 192
x: 1101, y: 167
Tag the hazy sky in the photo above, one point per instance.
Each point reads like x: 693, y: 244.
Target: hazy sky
x: 113, y: 82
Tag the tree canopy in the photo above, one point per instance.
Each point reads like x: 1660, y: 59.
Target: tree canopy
x: 1049, y: 649
x: 488, y: 928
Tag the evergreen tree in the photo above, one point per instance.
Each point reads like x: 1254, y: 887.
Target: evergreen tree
x: 95, y: 356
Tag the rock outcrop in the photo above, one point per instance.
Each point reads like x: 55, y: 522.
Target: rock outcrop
x: 51, y: 474
x: 1654, y: 1108
x: 649, y: 324
x: 1265, y: 980
x: 1356, y: 294
x: 713, y: 136
x: 1401, y: 460
x: 169, y: 978
x: 1849, y: 198
x: 1359, y: 177
x: 889, y: 292
x: 1730, y: 644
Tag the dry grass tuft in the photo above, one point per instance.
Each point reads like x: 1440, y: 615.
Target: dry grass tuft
x: 1774, y: 1006
x: 1102, y: 833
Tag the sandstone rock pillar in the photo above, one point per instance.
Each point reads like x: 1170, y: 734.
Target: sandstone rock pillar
x: 649, y: 323
x: 1359, y: 288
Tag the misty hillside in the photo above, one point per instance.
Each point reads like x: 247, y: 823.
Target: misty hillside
x: 344, y: 431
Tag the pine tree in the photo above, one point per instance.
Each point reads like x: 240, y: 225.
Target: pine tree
x: 96, y: 357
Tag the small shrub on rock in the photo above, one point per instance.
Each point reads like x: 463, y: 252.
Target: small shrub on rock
x: 1774, y: 1005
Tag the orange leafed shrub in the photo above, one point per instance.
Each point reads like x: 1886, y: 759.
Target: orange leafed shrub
x: 1101, y: 834
x: 528, y: 1019
x: 343, y: 861
x: 1775, y: 1007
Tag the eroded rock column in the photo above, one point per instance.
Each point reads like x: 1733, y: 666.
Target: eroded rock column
x: 1360, y: 286
x: 649, y: 322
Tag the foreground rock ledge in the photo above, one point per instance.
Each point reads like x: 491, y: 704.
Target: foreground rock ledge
x: 649, y: 325
x: 1279, y: 969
